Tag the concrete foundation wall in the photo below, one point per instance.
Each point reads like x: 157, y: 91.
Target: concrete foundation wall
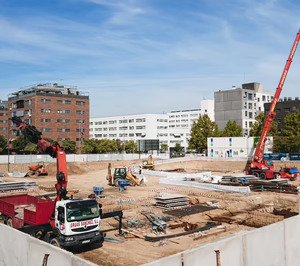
x: 17, y: 248
x: 273, y: 245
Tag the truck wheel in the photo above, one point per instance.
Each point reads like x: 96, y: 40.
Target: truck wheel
x: 39, y: 235
x: 132, y: 183
x: 54, y: 241
x: 263, y: 175
x: 256, y: 174
x: 9, y: 222
x: 277, y: 176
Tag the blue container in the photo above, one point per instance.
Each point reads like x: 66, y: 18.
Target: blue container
x: 98, y: 190
x: 122, y: 185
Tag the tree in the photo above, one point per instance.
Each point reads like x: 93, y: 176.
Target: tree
x: 120, y: 146
x: 106, y: 145
x: 69, y: 146
x: 3, y: 143
x: 164, y: 147
x: 31, y: 147
x: 89, y: 146
x: 259, y: 124
x: 232, y: 129
x: 178, y: 147
x: 131, y: 147
x: 201, y: 130
x: 19, y: 144
x: 291, y: 124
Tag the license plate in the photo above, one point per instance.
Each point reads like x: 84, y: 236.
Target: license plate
x: 85, y: 241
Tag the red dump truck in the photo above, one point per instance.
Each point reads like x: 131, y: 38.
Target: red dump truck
x: 63, y: 222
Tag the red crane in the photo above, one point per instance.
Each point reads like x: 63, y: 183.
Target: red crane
x: 259, y: 166
x: 55, y: 151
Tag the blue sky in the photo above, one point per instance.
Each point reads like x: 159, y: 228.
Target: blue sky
x: 148, y: 56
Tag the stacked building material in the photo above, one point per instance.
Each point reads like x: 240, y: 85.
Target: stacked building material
x: 279, y: 186
x: 170, y: 201
x: 18, y: 186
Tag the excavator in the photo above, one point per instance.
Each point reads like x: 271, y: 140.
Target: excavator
x: 121, y: 173
x: 259, y: 166
x: 37, y: 170
x: 148, y: 164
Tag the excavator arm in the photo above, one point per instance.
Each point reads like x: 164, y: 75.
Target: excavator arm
x: 55, y: 151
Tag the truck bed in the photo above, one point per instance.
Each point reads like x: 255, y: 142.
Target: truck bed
x: 26, y: 210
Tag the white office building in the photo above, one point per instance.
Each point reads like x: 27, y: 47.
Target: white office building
x: 241, y: 105
x: 130, y: 127
x: 170, y: 128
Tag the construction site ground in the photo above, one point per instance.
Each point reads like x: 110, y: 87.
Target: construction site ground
x: 238, y: 212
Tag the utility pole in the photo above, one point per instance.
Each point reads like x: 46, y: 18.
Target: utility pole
x: 8, y: 136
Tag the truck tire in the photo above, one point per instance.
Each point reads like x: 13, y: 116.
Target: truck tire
x: 132, y: 183
x: 54, y: 241
x: 256, y: 174
x: 277, y: 176
x: 9, y: 222
x: 263, y: 175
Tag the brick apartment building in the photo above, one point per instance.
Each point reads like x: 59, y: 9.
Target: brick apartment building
x: 3, y: 118
x: 59, y: 112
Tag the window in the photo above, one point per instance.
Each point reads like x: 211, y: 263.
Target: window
x: 249, y: 105
x: 123, y: 128
x: 250, y: 115
x: 131, y: 120
x: 98, y: 123
x: 81, y: 113
x: 112, y: 135
x: 294, y: 108
x: 250, y: 96
x: 263, y: 98
x: 112, y: 122
x: 98, y: 135
x: 246, y: 113
x: 80, y: 139
x: 131, y: 128
x: 46, y: 101
x: 287, y: 110
x: 140, y: 127
x: 80, y: 103
x: 3, y: 121
x: 46, y: 130
x: 64, y: 111
x: 123, y: 121
x: 98, y: 129
x: 80, y: 121
x: 112, y: 128
x: 45, y: 120
x: 63, y: 130
x: 104, y: 122
x: 46, y: 111
x: 4, y: 128
x: 28, y: 102
x: 140, y: 120
x: 250, y: 124
x: 3, y: 114
x: 80, y: 130
x: 91, y: 123
x: 131, y: 134
x: 64, y: 102
x: 28, y: 112
x: 246, y: 124
x: 63, y: 121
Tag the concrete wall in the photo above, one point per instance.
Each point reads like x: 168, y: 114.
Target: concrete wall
x: 273, y: 245
x: 17, y: 248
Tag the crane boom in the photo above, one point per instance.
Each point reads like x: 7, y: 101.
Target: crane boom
x: 55, y: 151
x: 259, y: 154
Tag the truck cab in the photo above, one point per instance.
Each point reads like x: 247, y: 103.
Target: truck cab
x: 77, y: 222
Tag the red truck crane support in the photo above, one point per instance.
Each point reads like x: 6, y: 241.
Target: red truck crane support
x: 259, y: 166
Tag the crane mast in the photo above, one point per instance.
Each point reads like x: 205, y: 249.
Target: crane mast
x: 258, y: 161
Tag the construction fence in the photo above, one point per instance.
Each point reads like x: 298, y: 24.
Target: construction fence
x: 35, y: 158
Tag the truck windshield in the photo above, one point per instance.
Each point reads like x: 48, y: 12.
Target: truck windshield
x: 78, y: 211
